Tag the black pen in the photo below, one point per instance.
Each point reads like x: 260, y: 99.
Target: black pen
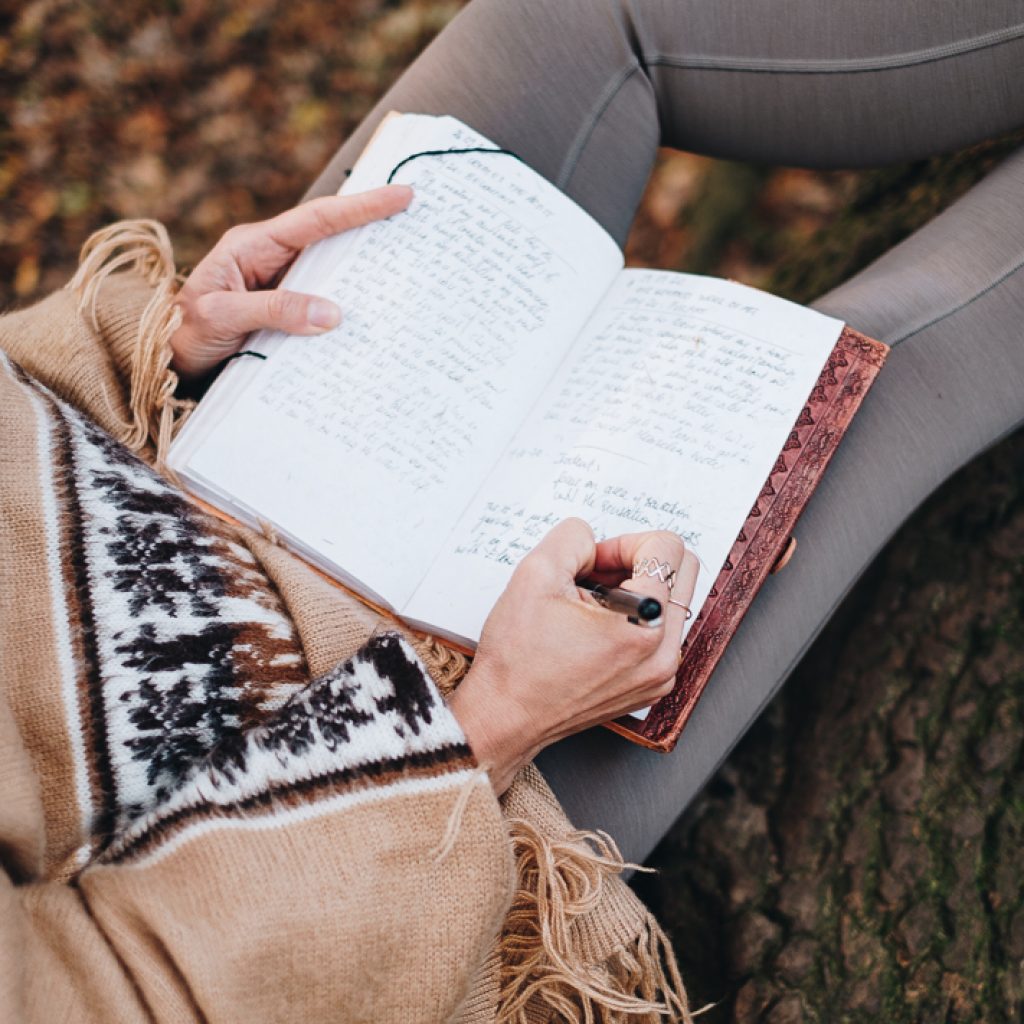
x: 638, y: 608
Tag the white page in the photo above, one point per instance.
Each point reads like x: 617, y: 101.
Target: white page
x: 364, y: 445
x: 668, y: 413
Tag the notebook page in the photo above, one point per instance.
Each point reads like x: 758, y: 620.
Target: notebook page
x: 668, y: 413
x: 364, y: 445
x: 311, y: 272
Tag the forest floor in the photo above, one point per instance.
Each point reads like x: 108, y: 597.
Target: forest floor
x: 859, y: 855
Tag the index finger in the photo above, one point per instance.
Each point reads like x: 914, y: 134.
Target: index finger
x: 330, y: 215
x: 616, y: 556
x: 566, y: 551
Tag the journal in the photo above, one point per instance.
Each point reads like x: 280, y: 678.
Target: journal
x: 496, y: 370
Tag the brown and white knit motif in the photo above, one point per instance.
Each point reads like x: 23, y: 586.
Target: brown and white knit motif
x: 190, y: 690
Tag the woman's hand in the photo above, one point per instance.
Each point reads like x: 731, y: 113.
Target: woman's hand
x: 552, y: 662
x: 229, y: 293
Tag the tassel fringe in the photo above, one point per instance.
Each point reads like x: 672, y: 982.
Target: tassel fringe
x: 547, y: 974
x: 144, y: 247
x: 451, y: 833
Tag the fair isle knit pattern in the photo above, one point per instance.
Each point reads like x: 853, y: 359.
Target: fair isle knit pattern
x: 190, y: 700
x: 373, y: 722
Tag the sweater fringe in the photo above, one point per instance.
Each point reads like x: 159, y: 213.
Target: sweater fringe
x: 547, y: 974
x: 141, y: 246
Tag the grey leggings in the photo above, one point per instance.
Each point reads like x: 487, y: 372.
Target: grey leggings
x: 585, y: 90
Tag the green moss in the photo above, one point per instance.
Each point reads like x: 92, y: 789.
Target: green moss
x: 887, y: 205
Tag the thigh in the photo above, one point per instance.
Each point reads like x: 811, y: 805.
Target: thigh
x: 532, y: 75
x: 585, y: 90
x: 950, y: 300
x: 841, y: 84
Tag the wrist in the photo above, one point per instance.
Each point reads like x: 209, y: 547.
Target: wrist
x: 496, y: 729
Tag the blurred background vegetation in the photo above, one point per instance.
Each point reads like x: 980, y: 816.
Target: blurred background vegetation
x: 859, y: 856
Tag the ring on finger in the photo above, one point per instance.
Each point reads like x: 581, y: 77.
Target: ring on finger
x: 685, y: 607
x: 656, y: 570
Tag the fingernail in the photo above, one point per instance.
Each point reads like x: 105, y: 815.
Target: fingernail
x: 323, y: 314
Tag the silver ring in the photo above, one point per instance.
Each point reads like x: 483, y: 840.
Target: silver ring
x: 656, y: 570
x: 685, y: 607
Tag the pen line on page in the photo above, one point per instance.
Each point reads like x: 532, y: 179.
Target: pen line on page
x: 609, y: 451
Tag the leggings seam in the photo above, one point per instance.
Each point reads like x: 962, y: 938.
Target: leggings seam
x: 962, y: 305
x: 852, y: 65
x: 588, y: 126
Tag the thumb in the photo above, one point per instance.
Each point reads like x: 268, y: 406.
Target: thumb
x: 226, y: 315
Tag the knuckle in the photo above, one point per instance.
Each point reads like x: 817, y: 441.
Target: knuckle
x: 664, y: 665
x: 321, y: 216
x: 234, y: 235
x: 664, y: 688
x: 280, y: 305
x: 644, y: 641
x: 201, y: 309
x: 531, y: 570
x: 361, y: 206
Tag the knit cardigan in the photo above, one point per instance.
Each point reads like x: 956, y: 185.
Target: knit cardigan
x: 231, y: 792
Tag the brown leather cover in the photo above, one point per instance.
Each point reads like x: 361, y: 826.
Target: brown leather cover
x: 849, y: 372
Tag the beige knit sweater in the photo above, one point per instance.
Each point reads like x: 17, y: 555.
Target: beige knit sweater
x: 230, y: 792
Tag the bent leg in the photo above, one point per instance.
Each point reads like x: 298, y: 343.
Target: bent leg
x: 950, y: 300
x: 528, y: 75
x: 585, y: 90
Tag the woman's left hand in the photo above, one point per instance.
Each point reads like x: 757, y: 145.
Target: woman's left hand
x: 228, y: 293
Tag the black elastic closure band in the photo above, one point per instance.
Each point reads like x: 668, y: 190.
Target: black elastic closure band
x: 245, y: 352
x: 451, y: 152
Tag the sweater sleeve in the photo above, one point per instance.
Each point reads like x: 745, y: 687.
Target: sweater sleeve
x: 342, y: 854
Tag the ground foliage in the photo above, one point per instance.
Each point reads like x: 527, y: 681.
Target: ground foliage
x: 858, y: 858
x: 200, y: 113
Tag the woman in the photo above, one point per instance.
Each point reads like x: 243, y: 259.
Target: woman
x: 191, y: 875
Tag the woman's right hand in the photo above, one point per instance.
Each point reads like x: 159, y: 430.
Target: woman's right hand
x: 551, y: 661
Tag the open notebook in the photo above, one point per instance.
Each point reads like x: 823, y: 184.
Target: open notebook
x: 497, y: 370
